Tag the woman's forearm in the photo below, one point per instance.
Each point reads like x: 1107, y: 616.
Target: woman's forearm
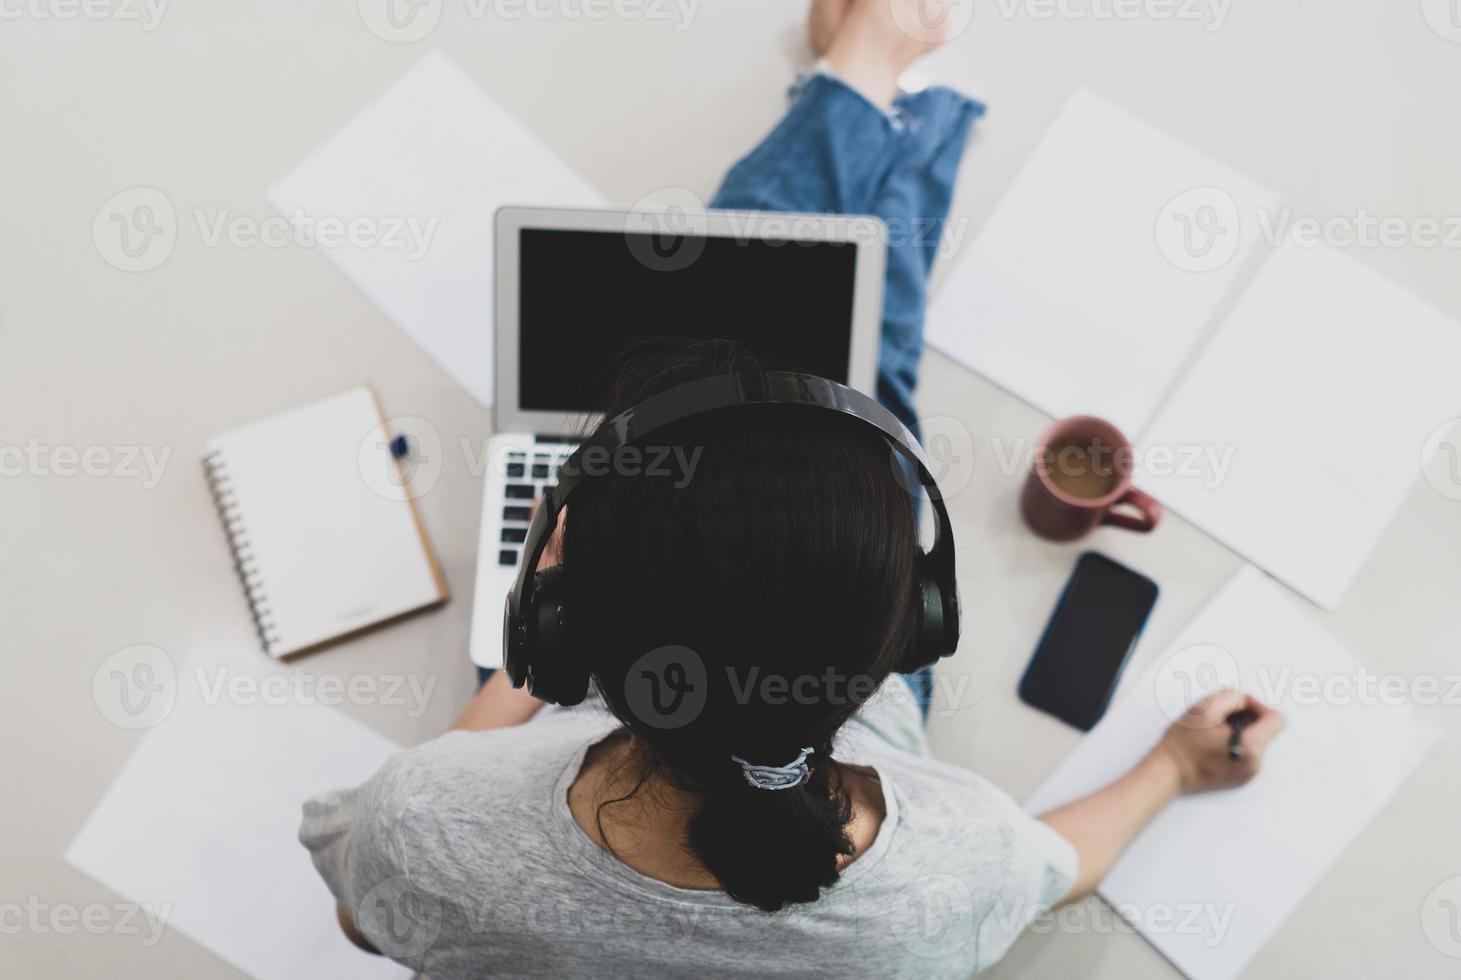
x: 497, y: 705
x: 1103, y: 824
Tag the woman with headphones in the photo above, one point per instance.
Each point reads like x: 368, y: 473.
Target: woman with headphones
x: 734, y: 780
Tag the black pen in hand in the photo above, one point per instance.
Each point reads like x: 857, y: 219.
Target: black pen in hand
x: 1236, y: 721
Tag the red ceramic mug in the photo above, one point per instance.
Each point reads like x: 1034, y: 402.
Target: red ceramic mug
x: 1081, y: 478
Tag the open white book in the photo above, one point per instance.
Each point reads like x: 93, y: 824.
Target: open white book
x: 324, y: 533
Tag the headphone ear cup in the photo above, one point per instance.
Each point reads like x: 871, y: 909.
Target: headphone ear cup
x: 929, y: 644
x: 554, y: 675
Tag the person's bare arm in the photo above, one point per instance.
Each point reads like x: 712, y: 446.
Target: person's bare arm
x: 497, y: 705
x: 1192, y: 757
x: 352, y: 931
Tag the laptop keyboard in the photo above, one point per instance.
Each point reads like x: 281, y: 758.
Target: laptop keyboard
x: 530, y: 474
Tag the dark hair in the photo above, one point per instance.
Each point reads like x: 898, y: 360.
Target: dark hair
x: 786, y: 550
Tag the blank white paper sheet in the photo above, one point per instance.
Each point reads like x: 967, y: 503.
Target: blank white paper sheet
x: 434, y: 158
x: 1324, y: 383
x: 1215, y: 875
x: 1068, y: 297
x: 202, y: 823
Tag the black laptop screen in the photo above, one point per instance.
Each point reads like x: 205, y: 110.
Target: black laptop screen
x: 584, y: 295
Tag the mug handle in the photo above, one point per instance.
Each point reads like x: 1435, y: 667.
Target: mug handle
x: 1149, y: 512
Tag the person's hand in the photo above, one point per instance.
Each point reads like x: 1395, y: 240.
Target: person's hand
x: 1197, y: 743
x: 553, y: 550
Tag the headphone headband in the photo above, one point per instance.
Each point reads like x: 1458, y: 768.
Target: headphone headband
x: 714, y: 394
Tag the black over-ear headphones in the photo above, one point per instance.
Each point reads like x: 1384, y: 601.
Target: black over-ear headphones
x: 535, y: 636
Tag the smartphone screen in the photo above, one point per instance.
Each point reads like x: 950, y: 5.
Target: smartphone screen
x: 1088, y: 640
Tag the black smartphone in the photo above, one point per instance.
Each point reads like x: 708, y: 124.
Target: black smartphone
x: 1088, y: 640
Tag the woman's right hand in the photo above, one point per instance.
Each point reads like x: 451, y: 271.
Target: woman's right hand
x: 1197, y: 743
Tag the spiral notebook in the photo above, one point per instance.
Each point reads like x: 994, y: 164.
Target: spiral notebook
x: 318, y: 513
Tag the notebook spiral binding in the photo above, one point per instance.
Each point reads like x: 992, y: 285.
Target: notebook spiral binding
x: 215, y: 469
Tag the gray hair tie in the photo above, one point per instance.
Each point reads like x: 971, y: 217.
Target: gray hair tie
x: 789, y: 776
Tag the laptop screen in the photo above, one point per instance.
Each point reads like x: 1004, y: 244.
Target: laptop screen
x: 584, y: 295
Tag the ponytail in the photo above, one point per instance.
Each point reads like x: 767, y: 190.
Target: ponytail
x: 768, y: 847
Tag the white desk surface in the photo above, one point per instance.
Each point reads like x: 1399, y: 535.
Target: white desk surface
x: 1338, y: 105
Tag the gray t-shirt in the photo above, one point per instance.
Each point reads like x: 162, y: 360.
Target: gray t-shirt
x: 460, y: 858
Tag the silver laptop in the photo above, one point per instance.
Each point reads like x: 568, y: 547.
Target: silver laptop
x: 574, y: 286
